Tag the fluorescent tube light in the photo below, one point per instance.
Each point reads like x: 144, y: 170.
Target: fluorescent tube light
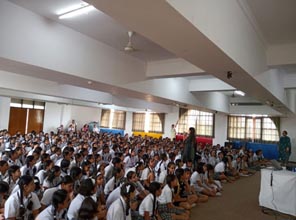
x: 238, y: 92
x: 76, y: 12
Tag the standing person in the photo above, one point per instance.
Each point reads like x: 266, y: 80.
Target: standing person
x: 173, y: 132
x: 190, y: 147
x: 284, y: 148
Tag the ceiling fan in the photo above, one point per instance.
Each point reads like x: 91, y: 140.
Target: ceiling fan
x: 129, y: 47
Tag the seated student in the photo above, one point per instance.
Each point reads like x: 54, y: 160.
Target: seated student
x: 245, y: 169
x: 116, y: 162
x: 100, y: 189
x: 53, y: 178
x: 4, y: 191
x: 258, y: 159
x: 219, y: 171
x: 23, y: 204
x: 148, y: 207
x: 231, y: 171
x: 114, y: 182
x: 87, y: 189
x: 89, y: 210
x: 183, y: 196
x: 14, y: 174
x: 166, y: 208
x: 132, y: 177
x: 43, y: 173
x: 197, y: 181
x: 148, y: 175
x: 66, y: 183
x: 170, y: 170
x: 161, y: 166
x: 120, y: 208
x: 209, y: 175
x: 58, y: 208
x: 3, y: 169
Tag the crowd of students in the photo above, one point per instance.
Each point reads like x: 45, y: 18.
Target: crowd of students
x: 75, y: 175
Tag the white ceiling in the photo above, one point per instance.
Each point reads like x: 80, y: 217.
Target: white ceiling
x: 99, y: 26
x: 275, y: 20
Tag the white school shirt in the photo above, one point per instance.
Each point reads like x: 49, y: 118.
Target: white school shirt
x: 11, y: 184
x: 147, y: 205
x: 12, y: 205
x: 40, y: 176
x: 47, y: 195
x: 194, y: 178
x: 112, y: 197
x: 220, y: 167
x: 117, y: 210
x: 166, y: 195
x: 145, y: 173
x: 47, y: 214
x: 162, y: 176
x: 110, y: 186
x: 75, y: 205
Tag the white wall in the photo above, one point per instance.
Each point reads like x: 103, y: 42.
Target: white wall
x: 57, y: 114
x: 220, y: 128
x: 128, y: 123
x: 4, y: 112
x: 83, y: 115
x: 53, y: 116
x: 288, y: 124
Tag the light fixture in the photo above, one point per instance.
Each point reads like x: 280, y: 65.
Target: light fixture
x: 238, y: 92
x: 84, y: 9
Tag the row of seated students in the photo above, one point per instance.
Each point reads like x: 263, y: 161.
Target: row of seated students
x: 85, y: 175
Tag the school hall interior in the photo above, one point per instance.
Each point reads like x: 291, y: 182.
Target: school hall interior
x: 225, y: 67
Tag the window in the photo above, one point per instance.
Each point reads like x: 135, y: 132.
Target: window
x: 203, y: 122
x: 269, y: 130
x: 105, y: 118
x: 113, y: 119
x: 20, y: 103
x: 156, y: 122
x: 148, y: 122
x: 118, y: 121
x: 236, y: 127
x: 138, y: 122
x: 255, y: 129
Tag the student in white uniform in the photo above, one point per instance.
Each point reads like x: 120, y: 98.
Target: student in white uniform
x: 14, y: 174
x: 148, y: 207
x: 65, y: 184
x: 87, y: 189
x: 120, y: 208
x: 58, y: 208
x: 167, y: 210
x: 42, y: 174
x: 4, y: 188
x: 23, y: 204
x: 88, y: 210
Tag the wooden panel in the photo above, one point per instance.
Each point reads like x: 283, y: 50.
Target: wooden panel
x: 35, y: 121
x: 17, y: 120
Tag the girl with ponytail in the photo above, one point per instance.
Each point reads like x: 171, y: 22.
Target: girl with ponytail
x: 58, y: 208
x: 148, y: 207
x: 120, y: 208
x: 53, y: 178
x: 24, y: 203
x: 14, y: 174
